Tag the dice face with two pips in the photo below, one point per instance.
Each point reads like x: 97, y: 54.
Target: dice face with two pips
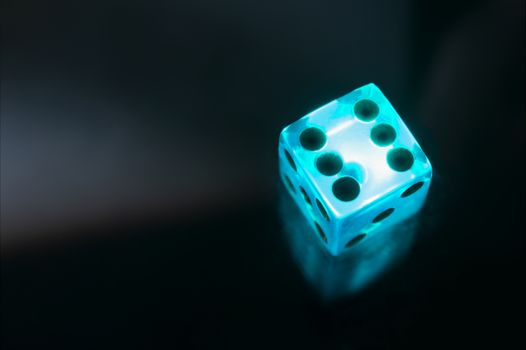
x: 353, y: 167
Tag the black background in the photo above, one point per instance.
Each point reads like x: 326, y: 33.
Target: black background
x: 139, y: 172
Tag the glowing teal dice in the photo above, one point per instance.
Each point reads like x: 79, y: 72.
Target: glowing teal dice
x: 353, y: 166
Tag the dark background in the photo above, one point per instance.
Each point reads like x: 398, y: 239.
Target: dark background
x: 139, y: 171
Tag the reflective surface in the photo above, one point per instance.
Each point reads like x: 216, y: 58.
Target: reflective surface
x: 361, y: 264
x: 138, y: 172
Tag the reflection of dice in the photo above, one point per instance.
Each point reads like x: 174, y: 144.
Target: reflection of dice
x: 353, y: 166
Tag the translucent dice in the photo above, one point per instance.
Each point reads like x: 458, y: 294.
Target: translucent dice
x: 353, y: 166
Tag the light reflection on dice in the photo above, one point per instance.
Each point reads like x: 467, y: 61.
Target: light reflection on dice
x: 353, y: 166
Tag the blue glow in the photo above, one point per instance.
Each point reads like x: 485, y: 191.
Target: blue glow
x: 334, y: 277
x: 364, y: 160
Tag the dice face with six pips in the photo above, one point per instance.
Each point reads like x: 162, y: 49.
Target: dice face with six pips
x: 353, y: 167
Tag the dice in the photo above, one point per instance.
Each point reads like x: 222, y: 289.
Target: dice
x: 353, y: 167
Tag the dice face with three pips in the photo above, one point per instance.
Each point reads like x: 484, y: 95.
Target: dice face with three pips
x: 353, y: 167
